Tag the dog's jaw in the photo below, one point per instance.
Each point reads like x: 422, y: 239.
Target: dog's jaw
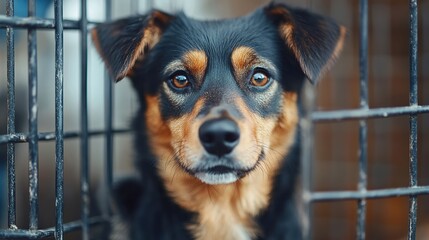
x: 229, y: 171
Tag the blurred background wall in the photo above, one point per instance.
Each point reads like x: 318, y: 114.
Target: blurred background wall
x: 335, y: 164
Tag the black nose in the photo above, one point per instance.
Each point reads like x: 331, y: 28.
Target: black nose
x: 219, y: 136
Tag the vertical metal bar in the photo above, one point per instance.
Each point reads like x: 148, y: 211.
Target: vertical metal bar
x: 32, y: 113
x: 59, y: 121
x: 363, y: 69
x: 307, y: 136
x: 11, y: 117
x: 109, y: 121
x: 413, y: 117
x: 150, y: 4
x: 135, y: 7
x: 84, y: 183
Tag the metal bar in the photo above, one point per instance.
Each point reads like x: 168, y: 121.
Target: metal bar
x: 306, y: 127
x: 108, y: 101
x: 150, y: 4
x: 39, y: 23
x: 33, y: 145
x: 84, y: 140
x: 369, y: 194
x: 307, y: 136
x: 413, y: 118
x: 135, y: 7
x: 11, y: 118
x: 50, y: 136
x: 354, y: 114
x: 363, y: 132
x: 108, y: 104
x: 59, y: 121
x: 37, y: 234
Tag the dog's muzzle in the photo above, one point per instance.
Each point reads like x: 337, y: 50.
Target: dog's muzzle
x: 219, y: 137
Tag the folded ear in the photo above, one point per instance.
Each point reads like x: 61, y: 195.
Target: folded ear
x: 316, y: 41
x: 121, y: 43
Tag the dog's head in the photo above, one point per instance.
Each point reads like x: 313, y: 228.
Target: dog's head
x: 220, y: 97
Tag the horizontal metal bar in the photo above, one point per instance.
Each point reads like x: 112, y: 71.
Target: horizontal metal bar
x: 34, y: 22
x: 369, y: 194
x: 49, y: 232
x: 50, y: 136
x: 316, y: 116
x: 339, y: 115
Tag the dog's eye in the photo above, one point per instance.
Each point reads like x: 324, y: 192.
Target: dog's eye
x: 180, y: 81
x: 259, y: 79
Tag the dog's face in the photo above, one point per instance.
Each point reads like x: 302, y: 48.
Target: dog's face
x: 220, y: 97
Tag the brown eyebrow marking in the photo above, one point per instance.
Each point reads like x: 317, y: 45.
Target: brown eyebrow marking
x: 195, y: 61
x: 241, y: 58
x: 244, y: 59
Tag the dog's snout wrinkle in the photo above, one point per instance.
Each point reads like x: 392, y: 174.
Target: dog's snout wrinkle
x: 228, y: 111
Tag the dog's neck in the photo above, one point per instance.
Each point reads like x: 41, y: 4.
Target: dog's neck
x: 224, y: 211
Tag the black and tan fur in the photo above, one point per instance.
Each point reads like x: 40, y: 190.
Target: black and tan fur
x: 243, y: 74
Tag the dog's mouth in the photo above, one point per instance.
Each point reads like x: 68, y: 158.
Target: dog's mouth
x: 221, y: 174
x: 222, y: 171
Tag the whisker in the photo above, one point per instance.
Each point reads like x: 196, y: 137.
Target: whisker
x: 209, y: 193
x: 174, y: 173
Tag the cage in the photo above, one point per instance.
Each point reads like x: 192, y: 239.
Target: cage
x: 65, y: 131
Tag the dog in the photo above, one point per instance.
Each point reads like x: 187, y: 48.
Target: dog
x: 217, y: 132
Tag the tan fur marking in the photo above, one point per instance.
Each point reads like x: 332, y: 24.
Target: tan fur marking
x: 161, y: 18
x: 96, y: 41
x: 340, y: 42
x: 160, y: 134
x: 284, y: 133
x: 224, y: 211
x: 338, y: 48
x: 241, y: 58
x: 151, y: 36
x: 273, y: 134
x: 279, y: 10
x: 286, y: 31
x: 195, y: 61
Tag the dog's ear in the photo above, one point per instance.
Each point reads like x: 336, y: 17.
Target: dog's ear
x: 316, y: 41
x: 122, y: 42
